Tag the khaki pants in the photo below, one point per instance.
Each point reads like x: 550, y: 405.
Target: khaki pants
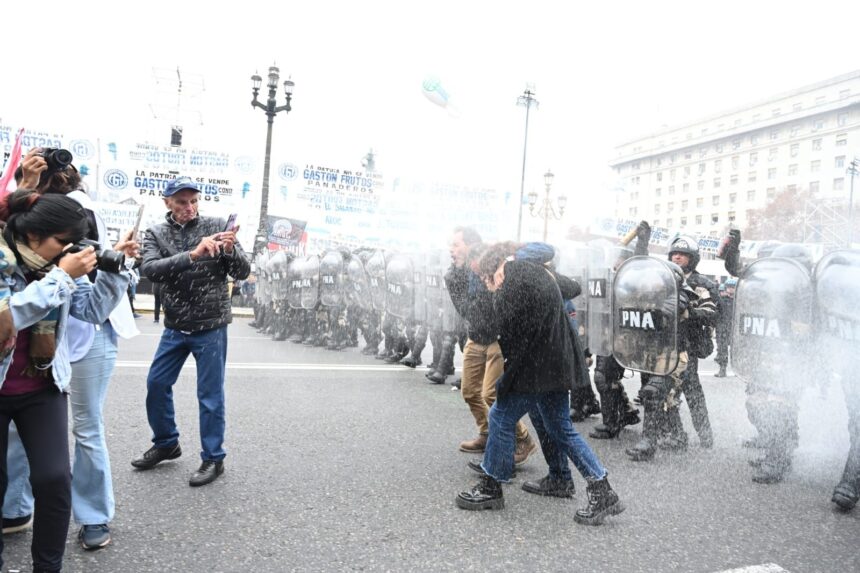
x: 482, y: 366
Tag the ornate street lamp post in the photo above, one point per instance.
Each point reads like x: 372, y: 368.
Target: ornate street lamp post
x: 528, y: 101
x: 546, y: 209
x: 271, y: 109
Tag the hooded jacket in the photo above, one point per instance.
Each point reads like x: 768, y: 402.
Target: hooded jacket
x: 194, y: 293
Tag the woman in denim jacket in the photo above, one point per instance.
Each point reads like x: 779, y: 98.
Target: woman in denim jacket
x: 41, y: 285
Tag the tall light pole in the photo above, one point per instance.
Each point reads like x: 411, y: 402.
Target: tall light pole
x: 527, y: 100
x: 546, y: 209
x: 853, y: 169
x: 271, y: 109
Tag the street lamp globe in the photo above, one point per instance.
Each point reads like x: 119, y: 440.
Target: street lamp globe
x: 274, y: 76
x: 257, y: 81
x: 548, y: 177
x: 288, y: 87
x: 533, y: 196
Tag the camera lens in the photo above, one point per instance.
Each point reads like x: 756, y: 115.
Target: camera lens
x: 63, y: 157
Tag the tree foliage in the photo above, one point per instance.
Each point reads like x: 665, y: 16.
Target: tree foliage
x: 782, y: 219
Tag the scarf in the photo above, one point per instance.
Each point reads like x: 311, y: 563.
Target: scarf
x: 43, y: 334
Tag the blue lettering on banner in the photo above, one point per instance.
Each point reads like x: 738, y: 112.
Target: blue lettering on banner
x: 288, y: 171
x: 82, y: 149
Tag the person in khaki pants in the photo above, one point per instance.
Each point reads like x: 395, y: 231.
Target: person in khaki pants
x: 483, y: 363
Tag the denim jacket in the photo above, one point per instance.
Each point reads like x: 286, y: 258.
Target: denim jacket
x: 76, y: 297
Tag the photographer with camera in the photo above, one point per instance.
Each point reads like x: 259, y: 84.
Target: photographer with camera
x: 191, y: 256
x: 44, y: 285
x: 93, y: 349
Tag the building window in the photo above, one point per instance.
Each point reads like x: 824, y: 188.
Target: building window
x: 703, y: 152
x: 733, y: 197
x: 700, y: 202
x: 701, y: 168
x: 634, y: 180
x: 797, y: 107
x: 794, y: 131
x: 719, y: 147
x: 771, y: 193
x: 816, y: 144
x: 684, y: 204
x: 732, y: 217
x: 774, y: 134
x: 842, y: 119
x: 772, y: 153
x: 669, y: 222
x: 794, y: 149
x: 688, y: 155
x: 753, y: 158
x: 736, y: 144
x: 839, y: 161
x: 841, y: 139
x: 686, y: 188
x: 672, y: 174
x: 736, y: 159
x: 671, y: 189
x: 656, y: 209
x: 814, y: 186
x: 683, y: 221
x: 751, y: 176
x: 660, y: 176
x: 715, y: 218
x: 792, y: 169
x: 700, y: 184
x: 715, y: 200
x: 659, y: 161
x: 716, y: 182
x: 771, y: 173
x: 656, y: 222
x: 686, y: 171
x: 839, y: 184
x: 698, y: 219
x: 635, y: 166
x: 718, y: 165
x: 815, y: 166
x: 733, y: 180
x: 658, y: 191
x: 632, y: 211
x: 670, y: 206
x: 673, y: 157
x: 751, y: 195
x: 792, y: 188
x: 817, y: 124
x: 754, y: 139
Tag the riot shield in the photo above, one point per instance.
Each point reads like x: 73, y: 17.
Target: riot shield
x: 772, y: 319
x: 419, y: 286
x: 375, y: 268
x: 572, y: 261
x: 294, y: 283
x: 278, y: 275
x: 332, y: 279
x: 434, y: 285
x: 310, y: 281
x: 837, y: 313
x: 399, y: 277
x: 645, y: 316
x: 598, y: 324
x: 358, y: 289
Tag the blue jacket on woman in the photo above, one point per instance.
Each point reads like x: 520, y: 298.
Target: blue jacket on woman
x: 29, y: 303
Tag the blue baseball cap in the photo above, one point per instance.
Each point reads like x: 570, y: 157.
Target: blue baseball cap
x: 179, y: 184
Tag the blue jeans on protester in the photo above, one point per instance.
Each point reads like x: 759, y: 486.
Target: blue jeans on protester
x: 209, y: 348
x: 92, y: 487
x: 555, y: 458
x: 554, y: 410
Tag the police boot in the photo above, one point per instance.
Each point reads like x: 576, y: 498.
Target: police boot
x: 675, y: 437
x: 644, y: 449
x: 722, y: 372
x: 602, y: 502
x: 486, y: 494
x: 411, y: 361
x: 631, y: 412
x: 774, y: 467
x: 611, y: 426
x: 847, y: 492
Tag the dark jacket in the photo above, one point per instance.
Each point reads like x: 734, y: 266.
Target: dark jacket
x: 194, y: 294
x: 474, y: 303
x: 541, y: 352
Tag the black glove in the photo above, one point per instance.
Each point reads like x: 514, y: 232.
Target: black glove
x: 643, y: 237
x: 732, y: 252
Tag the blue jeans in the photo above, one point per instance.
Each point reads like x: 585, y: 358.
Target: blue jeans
x: 555, y: 458
x: 554, y: 410
x: 209, y: 348
x: 92, y: 487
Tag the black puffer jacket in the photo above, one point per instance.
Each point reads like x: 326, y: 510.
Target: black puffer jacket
x: 194, y: 294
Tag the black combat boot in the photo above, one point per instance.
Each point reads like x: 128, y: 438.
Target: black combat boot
x: 411, y: 361
x: 550, y: 486
x: 645, y: 448
x: 602, y: 502
x: 722, y: 372
x: 675, y: 437
x: 631, y: 412
x: 486, y: 494
x: 611, y: 426
x: 773, y: 467
x: 847, y: 492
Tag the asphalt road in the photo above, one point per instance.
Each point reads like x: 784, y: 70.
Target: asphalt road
x: 339, y: 463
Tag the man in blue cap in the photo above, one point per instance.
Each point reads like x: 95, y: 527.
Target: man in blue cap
x: 191, y: 256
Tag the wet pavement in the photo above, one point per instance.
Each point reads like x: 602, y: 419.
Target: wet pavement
x: 337, y: 462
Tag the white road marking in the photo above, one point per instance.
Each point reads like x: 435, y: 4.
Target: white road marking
x: 764, y: 568
x: 278, y: 366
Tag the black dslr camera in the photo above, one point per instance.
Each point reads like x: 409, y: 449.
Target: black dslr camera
x: 57, y: 159
x: 106, y: 260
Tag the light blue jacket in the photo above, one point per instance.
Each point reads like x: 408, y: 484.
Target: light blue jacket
x: 77, y: 297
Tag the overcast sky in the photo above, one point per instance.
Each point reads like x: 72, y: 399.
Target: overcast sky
x: 603, y: 74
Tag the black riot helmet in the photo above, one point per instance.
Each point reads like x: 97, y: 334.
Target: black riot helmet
x: 686, y: 245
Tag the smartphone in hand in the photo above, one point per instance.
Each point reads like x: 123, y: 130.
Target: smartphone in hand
x: 231, y: 222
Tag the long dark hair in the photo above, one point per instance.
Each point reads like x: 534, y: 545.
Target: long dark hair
x: 43, y: 216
